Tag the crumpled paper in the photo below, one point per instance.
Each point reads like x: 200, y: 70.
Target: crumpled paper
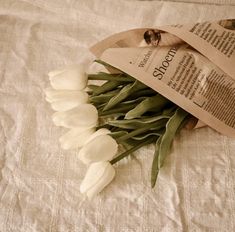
x: 39, y: 182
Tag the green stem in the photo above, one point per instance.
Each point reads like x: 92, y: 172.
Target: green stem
x: 119, y: 109
x: 140, y: 131
x: 109, y: 77
x: 126, y: 153
x: 107, y: 86
x: 141, y: 93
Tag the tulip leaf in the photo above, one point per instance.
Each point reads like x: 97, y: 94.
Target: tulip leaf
x: 142, y: 93
x: 151, y: 126
x: 124, y: 93
x: 155, y: 169
x: 145, y: 135
x: 107, y: 86
x: 137, y: 123
x: 136, y: 100
x: 111, y: 77
x: 169, y: 111
x: 129, y: 143
x: 93, y: 87
x: 120, y: 108
x: 164, y: 143
x: 117, y: 134
x: 157, y: 102
x: 102, y: 98
x: 134, y: 148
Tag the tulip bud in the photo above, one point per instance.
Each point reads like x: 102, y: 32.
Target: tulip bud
x: 62, y: 100
x: 58, y: 71
x: 84, y: 115
x: 101, y: 131
x: 76, y: 137
x: 98, y: 176
x: 72, y: 78
x: 53, y: 95
x: 101, y: 148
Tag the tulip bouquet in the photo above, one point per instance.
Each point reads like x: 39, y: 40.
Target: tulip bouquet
x: 102, y: 120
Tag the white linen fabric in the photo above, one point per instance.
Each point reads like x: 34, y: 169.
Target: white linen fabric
x: 39, y: 182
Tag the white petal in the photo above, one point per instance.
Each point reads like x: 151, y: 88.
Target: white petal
x: 94, y: 172
x: 58, y: 118
x: 75, y: 138
x: 65, y: 105
x: 62, y: 100
x: 98, y: 176
x: 101, y: 148
x: 74, y: 78
x: 58, y: 71
x: 102, y: 131
x: 84, y: 115
x: 55, y: 72
x: 53, y: 95
x: 102, y: 183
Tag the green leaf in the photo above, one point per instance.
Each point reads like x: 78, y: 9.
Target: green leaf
x: 136, y: 100
x: 170, y: 111
x: 111, y: 77
x: 142, y: 93
x: 151, y: 126
x: 134, y: 148
x: 121, y: 109
x: 157, y: 102
x: 155, y: 169
x: 93, y: 87
x: 124, y: 93
x: 145, y: 135
x: 107, y: 86
x: 117, y: 134
x: 103, y: 98
x: 164, y: 143
x: 137, y: 123
x: 171, y: 128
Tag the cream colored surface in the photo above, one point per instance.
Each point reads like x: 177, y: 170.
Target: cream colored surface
x: 39, y: 182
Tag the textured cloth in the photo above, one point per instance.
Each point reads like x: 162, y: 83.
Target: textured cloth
x: 39, y: 182
x: 214, y: 2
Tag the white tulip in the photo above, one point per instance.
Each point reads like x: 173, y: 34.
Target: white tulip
x: 101, y: 148
x: 62, y: 100
x: 84, y: 115
x: 102, y: 131
x: 58, y: 71
x: 76, y: 137
x: 53, y: 95
x: 64, y: 105
x: 98, y: 176
x: 72, y: 78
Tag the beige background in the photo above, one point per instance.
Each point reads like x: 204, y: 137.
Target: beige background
x: 39, y: 182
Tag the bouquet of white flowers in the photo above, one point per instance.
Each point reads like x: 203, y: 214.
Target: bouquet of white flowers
x: 121, y: 113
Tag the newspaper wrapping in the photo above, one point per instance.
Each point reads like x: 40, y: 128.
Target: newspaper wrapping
x: 191, y: 65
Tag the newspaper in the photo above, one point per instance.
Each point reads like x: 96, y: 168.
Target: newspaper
x: 191, y: 65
